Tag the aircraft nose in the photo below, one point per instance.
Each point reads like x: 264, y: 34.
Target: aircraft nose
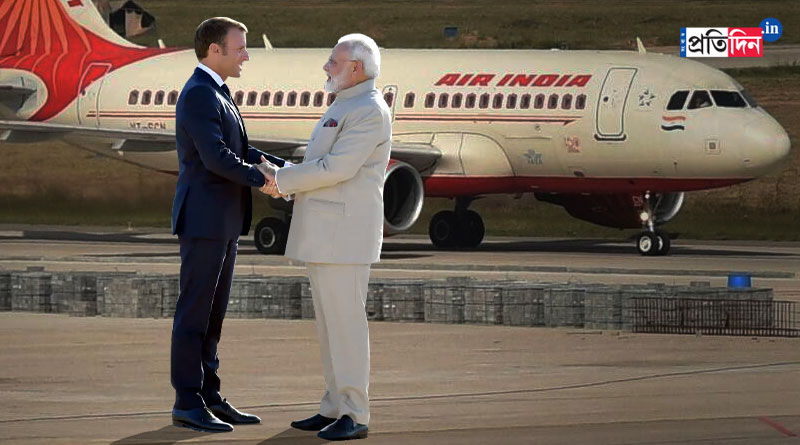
x: 768, y: 144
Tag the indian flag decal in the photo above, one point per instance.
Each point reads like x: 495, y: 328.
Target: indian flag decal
x: 672, y: 123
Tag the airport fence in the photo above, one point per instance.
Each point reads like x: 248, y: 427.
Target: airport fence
x: 715, y: 317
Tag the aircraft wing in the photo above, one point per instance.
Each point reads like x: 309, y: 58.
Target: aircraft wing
x: 123, y: 139
x: 421, y: 156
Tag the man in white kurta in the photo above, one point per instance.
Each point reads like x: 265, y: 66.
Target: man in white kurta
x: 337, y: 229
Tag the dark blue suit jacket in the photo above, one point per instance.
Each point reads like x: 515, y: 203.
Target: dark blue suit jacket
x: 213, y: 198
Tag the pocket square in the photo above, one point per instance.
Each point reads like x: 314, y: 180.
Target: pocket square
x: 330, y: 123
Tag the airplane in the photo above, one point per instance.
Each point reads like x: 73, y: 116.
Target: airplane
x: 614, y: 137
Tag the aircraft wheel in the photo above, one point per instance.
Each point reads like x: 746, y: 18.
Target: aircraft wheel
x: 647, y: 243
x: 472, y: 229
x: 270, y: 236
x: 663, y: 243
x: 443, y: 229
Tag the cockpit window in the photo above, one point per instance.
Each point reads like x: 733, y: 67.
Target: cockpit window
x: 750, y: 99
x: 700, y: 99
x: 728, y: 99
x: 677, y: 100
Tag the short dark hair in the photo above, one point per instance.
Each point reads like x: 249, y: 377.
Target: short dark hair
x: 213, y: 30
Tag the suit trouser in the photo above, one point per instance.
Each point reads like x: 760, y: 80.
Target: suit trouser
x: 206, y: 276
x: 339, y: 292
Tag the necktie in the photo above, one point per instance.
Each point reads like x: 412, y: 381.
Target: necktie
x: 238, y: 117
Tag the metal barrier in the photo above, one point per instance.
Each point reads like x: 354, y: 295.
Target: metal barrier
x: 714, y: 317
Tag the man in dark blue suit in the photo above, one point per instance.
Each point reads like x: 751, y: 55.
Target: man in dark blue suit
x: 212, y: 207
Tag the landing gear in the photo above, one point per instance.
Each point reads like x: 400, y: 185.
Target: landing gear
x: 270, y: 236
x: 654, y: 243
x: 651, y: 242
x: 459, y: 228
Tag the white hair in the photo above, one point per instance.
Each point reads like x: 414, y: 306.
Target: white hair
x: 364, y: 49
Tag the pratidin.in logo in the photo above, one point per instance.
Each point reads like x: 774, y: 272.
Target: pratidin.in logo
x: 772, y: 29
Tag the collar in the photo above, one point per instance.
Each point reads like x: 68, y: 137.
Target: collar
x: 356, y: 90
x: 211, y: 73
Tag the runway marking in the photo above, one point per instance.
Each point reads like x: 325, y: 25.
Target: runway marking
x: 777, y: 426
x: 441, y: 396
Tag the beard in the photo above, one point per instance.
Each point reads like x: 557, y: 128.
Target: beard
x: 334, y: 84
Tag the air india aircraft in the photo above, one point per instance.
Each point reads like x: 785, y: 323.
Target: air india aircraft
x: 615, y: 137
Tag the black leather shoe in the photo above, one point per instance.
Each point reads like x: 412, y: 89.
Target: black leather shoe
x: 344, y: 429
x: 313, y: 423
x: 227, y: 413
x: 199, y: 419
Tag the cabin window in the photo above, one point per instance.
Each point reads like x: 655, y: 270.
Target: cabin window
x: 264, y: 101
x: 511, y: 101
x: 409, y: 102
x: 430, y: 98
x: 305, y: 98
x: 388, y: 98
x: 146, y: 95
x: 497, y: 102
x: 470, y: 102
x: 728, y: 99
x: 133, y: 97
x: 566, y: 102
x: 484, y: 101
x: 677, y: 100
x: 291, y: 99
x: 525, y: 101
x: 539, y: 102
x: 580, y: 102
x: 277, y: 99
x: 159, y: 99
x: 443, y: 98
x: 700, y: 99
x: 319, y: 97
x: 251, y: 98
x: 331, y: 98
x: 239, y: 98
x: 456, y: 102
x: 552, y: 101
x: 172, y: 97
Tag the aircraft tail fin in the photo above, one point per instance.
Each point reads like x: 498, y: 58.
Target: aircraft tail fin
x: 65, y: 44
x: 84, y: 13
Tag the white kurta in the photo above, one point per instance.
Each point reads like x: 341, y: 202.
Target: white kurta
x: 337, y: 229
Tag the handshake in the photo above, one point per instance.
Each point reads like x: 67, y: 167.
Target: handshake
x: 270, y: 187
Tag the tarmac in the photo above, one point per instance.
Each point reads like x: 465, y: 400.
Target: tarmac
x: 103, y: 380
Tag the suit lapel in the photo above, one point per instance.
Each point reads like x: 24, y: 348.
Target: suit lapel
x: 228, y: 99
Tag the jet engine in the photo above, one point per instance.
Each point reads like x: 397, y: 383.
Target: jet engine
x: 403, y: 194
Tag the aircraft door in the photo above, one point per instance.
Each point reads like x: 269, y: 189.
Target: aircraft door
x: 610, y: 125
x: 390, y: 96
x: 89, y: 93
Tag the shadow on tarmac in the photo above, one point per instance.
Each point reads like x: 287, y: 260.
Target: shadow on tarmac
x: 167, y: 435
x: 293, y: 436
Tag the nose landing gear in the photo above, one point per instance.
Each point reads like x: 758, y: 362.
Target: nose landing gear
x: 651, y: 242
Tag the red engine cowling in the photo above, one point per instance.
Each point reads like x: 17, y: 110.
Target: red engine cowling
x: 621, y: 211
x: 403, y: 195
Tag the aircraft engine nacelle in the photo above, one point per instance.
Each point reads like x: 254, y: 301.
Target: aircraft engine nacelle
x: 403, y: 194
x: 621, y: 211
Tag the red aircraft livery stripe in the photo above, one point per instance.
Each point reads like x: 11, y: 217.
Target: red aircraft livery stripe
x: 459, y: 185
x: 39, y: 36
